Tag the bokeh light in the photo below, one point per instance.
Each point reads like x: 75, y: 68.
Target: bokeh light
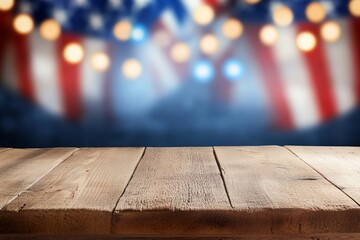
x: 209, y: 44
x: 203, y: 15
x: 100, y: 61
x: 180, y: 52
x: 232, y: 28
x: 330, y: 31
x: 233, y: 70
x: 252, y: 1
x: 50, y: 30
x: 315, y: 12
x: 354, y: 7
x: 73, y: 53
x: 306, y: 41
x: 203, y: 71
x: 6, y: 5
x: 138, y: 33
x: 122, y: 30
x: 268, y: 35
x: 282, y: 16
x: 132, y: 68
x: 23, y: 24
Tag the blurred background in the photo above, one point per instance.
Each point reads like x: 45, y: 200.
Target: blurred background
x: 179, y: 72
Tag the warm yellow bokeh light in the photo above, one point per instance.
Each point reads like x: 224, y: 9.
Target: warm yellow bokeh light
x: 100, y: 61
x: 73, y: 53
x: 282, y: 16
x: 180, y: 52
x: 203, y: 15
x: 6, y: 5
x: 209, y: 44
x: 315, y: 12
x: 23, y: 24
x: 131, y: 69
x: 50, y: 30
x: 252, y: 1
x: 122, y: 30
x: 306, y: 41
x: 354, y: 7
x: 232, y: 28
x: 268, y: 35
x: 330, y: 31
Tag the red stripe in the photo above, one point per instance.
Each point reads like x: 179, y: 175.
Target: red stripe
x: 4, y: 29
x: 69, y: 75
x: 319, y: 73
x: 355, y: 29
x: 23, y: 65
x: 272, y: 78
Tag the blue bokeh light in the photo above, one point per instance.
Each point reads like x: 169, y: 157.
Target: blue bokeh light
x: 138, y: 33
x: 203, y: 71
x: 233, y: 70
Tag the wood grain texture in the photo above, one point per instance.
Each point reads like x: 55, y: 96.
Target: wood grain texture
x: 280, y: 194
x: 173, y: 191
x: 20, y: 168
x: 78, y: 196
x: 340, y: 165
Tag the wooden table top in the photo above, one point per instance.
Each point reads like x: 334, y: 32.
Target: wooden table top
x: 192, y: 191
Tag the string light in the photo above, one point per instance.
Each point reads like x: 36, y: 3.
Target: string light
x: 283, y: 16
x: 23, y: 24
x: 73, y: 53
x: 330, y: 31
x: 315, y: 12
x: 306, y: 41
x: 180, y: 52
x: 232, y: 28
x: 100, y: 61
x: 354, y: 7
x: 252, y: 1
x: 209, y: 44
x: 138, y: 33
x: 6, y: 5
x: 268, y: 35
x: 203, y: 15
x: 233, y: 69
x: 203, y: 71
x: 131, y: 69
x: 50, y: 30
x: 122, y: 30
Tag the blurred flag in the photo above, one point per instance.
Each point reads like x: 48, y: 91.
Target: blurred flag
x: 120, y: 58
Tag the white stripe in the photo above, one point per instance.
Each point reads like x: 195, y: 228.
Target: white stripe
x: 92, y: 82
x: 191, y: 5
x: 248, y: 92
x: 296, y: 81
x: 9, y: 72
x: 168, y: 78
x: 339, y: 59
x: 44, y: 70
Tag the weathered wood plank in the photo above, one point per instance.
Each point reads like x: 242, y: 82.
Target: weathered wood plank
x: 78, y: 196
x: 340, y: 165
x: 173, y: 191
x: 4, y: 149
x: 274, y: 192
x: 20, y: 168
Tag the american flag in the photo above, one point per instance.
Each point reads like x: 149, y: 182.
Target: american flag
x: 298, y: 88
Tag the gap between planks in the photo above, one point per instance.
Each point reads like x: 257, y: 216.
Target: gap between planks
x: 286, y: 147
x: 222, y: 177
x: 37, y: 180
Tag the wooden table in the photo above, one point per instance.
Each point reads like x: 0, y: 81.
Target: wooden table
x: 248, y: 192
